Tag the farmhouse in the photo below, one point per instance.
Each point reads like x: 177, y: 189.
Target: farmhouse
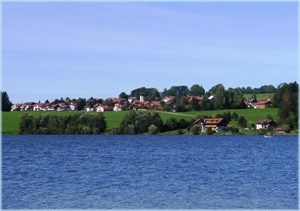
x: 263, y: 104
x: 250, y: 102
x: 265, y: 124
x: 215, y: 124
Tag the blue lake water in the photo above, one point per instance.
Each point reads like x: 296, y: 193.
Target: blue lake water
x: 141, y: 172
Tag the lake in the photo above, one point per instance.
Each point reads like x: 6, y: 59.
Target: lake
x: 141, y: 172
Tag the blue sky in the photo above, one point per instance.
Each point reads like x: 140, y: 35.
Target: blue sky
x: 53, y: 50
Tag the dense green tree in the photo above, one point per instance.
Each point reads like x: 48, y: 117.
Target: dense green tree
x: 219, y: 97
x: 176, y: 91
x: 172, y: 123
x: 197, y: 90
x: 6, y: 104
x: 195, y: 129
x: 81, y: 102
x: 123, y: 95
x: 235, y: 116
x: 83, y: 123
x: 242, y: 122
x: 153, y: 130
x: 148, y: 93
x: 140, y: 122
x: 26, y: 124
x: 195, y: 106
x: 286, y: 99
x: 68, y: 100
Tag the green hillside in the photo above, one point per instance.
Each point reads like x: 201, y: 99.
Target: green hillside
x: 259, y: 96
x: 11, y: 120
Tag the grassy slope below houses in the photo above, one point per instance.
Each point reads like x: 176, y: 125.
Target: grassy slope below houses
x: 259, y: 96
x: 11, y: 120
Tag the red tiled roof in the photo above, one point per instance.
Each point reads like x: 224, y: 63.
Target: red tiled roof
x: 213, y: 120
x: 263, y: 102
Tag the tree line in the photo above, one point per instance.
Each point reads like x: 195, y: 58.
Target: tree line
x: 286, y: 99
x: 195, y: 90
x: 83, y: 123
x: 232, y: 96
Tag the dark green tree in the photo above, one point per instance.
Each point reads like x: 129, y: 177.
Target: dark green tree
x: 172, y: 123
x: 136, y: 122
x: 195, y: 106
x: 219, y: 97
x: 242, y: 122
x: 123, y: 95
x: 286, y: 99
x: 235, y: 116
x: 197, y: 90
x: 6, y: 104
x: 26, y: 124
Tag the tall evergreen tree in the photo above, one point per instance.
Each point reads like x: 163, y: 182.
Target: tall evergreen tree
x: 6, y: 104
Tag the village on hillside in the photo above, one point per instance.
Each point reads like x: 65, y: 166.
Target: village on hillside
x: 165, y: 104
x: 118, y: 104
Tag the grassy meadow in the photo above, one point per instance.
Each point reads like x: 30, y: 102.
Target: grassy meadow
x: 11, y: 120
x: 259, y: 96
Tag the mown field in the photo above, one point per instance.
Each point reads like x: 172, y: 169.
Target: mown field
x: 259, y: 96
x: 11, y: 120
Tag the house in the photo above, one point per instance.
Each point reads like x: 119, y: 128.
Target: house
x: 73, y: 106
x: 117, y: 107
x: 27, y: 106
x: 215, y: 124
x: 265, y: 124
x: 250, y: 102
x: 88, y: 109
x: 211, y: 97
x: 131, y: 99
x: 15, y: 107
x: 263, y: 104
x: 114, y: 99
x: 142, y: 98
x: 62, y: 107
x: 99, y: 108
x: 190, y: 98
x: 155, y: 103
x: 39, y: 107
x: 36, y: 107
x: 168, y: 99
